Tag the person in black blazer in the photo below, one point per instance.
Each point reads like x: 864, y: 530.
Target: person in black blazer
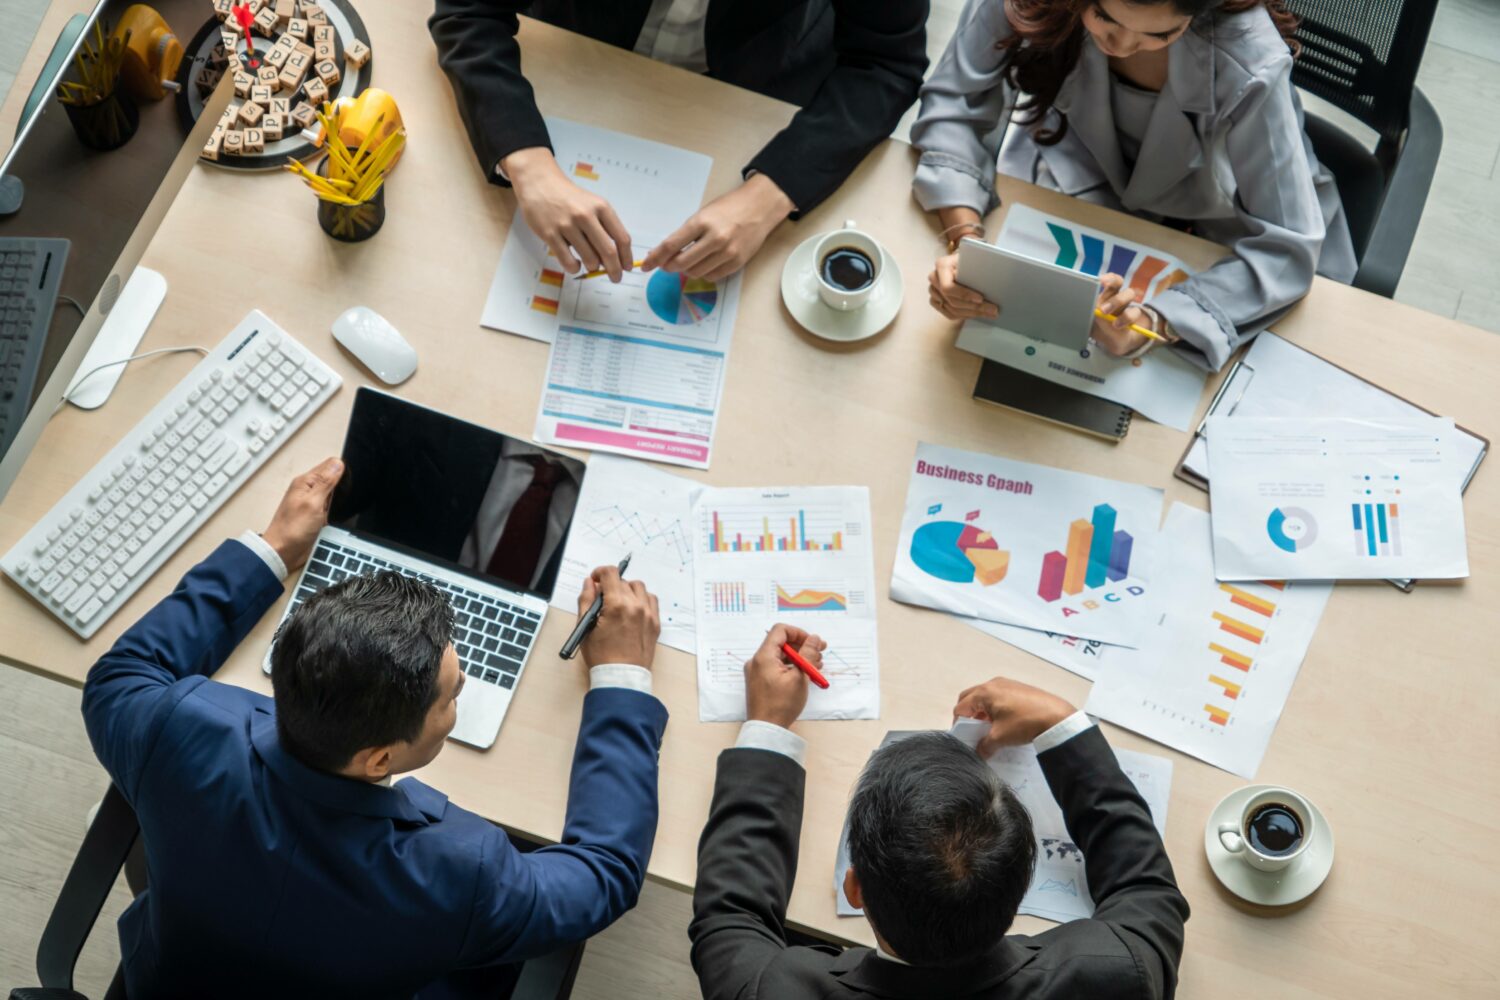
x: 851, y: 65
x: 941, y: 853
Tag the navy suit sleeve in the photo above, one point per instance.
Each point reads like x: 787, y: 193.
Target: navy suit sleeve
x: 531, y: 904
x: 881, y: 54
x: 132, y: 690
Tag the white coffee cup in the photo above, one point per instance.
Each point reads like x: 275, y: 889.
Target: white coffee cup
x: 844, y: 299
x: 1235, y: 837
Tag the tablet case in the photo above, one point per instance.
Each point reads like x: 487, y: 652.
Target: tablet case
x: 1025, y: 393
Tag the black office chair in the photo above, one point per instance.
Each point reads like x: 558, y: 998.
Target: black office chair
x: 109, y: 841
x: 1362, y: 56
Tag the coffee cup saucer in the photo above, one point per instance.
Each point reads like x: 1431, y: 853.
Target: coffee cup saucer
x: 799, y: 290
x: 1293, y: 883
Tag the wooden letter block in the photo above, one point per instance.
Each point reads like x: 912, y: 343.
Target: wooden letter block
x: 271, y: 126
x: 277, y: 57
x: 314, y: 14
x: 323, y: 51
x: 242, y: 84
x: 304, y: 50
x: 317, y: 93
x: 281, y: 106
x: 265, y: 22
x: 250, y: 112
x: 261, y: 94
x: 285, y: 11
x: 290, y: 79
x: 322, y: 33
x: 303, y: 115
x: 253, y: 141
x: 255, y: 6
x: 211, y: 147
x: 358, y: 53
x: 207, y: 79
x: 234, y: 143
x: 297, y: 28
x: 223, y: 9
x: 268, y: 76
x: 328, y: 73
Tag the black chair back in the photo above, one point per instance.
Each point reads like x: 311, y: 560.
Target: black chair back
x: 1362, y: 56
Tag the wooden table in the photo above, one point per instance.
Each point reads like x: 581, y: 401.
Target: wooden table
x: 1389, y: 728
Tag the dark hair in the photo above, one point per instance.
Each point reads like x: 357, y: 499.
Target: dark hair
x: 356, y: 666
x: 1047, y: 37
x: 942, y: 847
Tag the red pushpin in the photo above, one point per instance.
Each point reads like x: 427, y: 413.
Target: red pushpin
x: 242, y: 15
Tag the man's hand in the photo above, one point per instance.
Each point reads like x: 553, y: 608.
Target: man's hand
x: 302, y: 513
x: 775, y: 687
x: 953, y: 300
x: 568, y: 219
x: 1017, y: 713
x: 1116, y: 337
x: 628, y: 623
x: 725, y: 233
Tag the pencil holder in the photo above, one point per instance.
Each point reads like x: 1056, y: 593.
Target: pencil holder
x: 351, y: 223
x: 106, y: 124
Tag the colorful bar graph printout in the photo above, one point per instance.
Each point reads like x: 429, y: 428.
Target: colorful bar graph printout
x: 729, y: 598
x: 1249, y: 601
x: 766, y: 540
x: 1236, y: 627
x: 1217, y: 716
x: 1231, y: 689
x: 1230, y: 658
x: 1377, y: 529
x: 1080, y: 538
x: 1096, y: 553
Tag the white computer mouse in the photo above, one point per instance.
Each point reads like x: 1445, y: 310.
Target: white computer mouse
x: 379, y: 347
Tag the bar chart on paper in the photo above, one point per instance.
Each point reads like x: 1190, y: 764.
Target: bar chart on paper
x: 1212, y: 677
x: 798, y: 556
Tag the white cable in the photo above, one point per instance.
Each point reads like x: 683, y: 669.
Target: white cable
x: 123, y: 361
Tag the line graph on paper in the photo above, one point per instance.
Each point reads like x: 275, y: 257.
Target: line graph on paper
x: 666, y: 538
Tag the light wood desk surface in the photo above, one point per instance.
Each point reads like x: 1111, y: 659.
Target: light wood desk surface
x: 1389, y: 728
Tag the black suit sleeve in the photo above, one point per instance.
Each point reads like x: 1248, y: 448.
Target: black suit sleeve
x: 477, y: 48
x: 1129, y: 875
x: 747, y: 861
x: 881, y: 54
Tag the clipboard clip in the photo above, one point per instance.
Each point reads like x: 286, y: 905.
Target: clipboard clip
x: 1241, y: 375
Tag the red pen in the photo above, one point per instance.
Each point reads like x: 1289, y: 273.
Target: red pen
x: 812, y: 672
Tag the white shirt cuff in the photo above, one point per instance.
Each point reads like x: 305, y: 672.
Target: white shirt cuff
x: 262, y: 548
x: 500, y: 172
x: 1063, y: 732
x: 756, y: 734
x: 620, y: 675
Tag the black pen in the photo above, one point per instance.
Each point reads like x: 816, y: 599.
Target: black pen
x: 589, y: 619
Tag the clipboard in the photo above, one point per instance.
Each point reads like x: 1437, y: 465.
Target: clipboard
x: 1238, y: 384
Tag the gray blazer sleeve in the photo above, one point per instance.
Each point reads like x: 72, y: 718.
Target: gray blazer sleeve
x: 1275, y: 237
x: 964, y: 112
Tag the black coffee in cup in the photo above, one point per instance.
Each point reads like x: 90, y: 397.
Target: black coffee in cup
x: 1275, y: 830
x: 848, y: 269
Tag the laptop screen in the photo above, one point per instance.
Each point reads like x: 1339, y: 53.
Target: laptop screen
x: 455, y: 493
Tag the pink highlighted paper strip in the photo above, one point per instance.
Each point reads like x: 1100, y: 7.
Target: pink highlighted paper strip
x: 632, y: 443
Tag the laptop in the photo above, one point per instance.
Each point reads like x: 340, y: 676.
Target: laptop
x: 428, y: 495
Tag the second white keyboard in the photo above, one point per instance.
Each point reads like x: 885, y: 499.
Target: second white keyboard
x: 135, y: 508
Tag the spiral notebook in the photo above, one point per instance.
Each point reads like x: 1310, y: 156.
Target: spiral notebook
x: 1025, y: 393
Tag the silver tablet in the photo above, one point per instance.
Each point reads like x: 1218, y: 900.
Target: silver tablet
x: 1036, y: 299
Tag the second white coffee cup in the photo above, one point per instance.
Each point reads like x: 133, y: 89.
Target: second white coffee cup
x: 849, y: 238
x: 1292, y: 834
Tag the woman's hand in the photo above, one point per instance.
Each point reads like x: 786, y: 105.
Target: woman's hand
x: 952, y: 299
x: 1116, y: 337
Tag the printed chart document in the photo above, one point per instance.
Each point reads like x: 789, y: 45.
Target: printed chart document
x: 627, y: 507
x: 1336, y: 499
x: 1028, y: 545
x: 1212, y: 678
x: 1160, y: 386
x: 638, y: 368
x: 1059, y: 888
x: 799, y: 555
x: 652, y: 187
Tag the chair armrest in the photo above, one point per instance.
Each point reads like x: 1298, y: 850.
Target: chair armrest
x: 42, y: 993
x: 1405, y: 197
x: 105, y: 847
x: 549, y: 977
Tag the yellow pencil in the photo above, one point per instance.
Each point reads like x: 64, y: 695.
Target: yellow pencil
x: 595, y: 274
x: 1152, y: 334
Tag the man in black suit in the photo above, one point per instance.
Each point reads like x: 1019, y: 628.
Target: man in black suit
x: 941, y: 853
x: 853, y: 66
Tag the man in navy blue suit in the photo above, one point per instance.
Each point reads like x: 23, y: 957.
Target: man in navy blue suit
x: 281, y: 860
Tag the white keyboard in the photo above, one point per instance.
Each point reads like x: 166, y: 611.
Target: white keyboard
x: 132, y: 511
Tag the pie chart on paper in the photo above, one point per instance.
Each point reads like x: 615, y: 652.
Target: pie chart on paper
x: 959, y: 553
x: 681, y: 300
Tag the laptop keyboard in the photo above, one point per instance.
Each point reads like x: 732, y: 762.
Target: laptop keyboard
x: 492, y: 636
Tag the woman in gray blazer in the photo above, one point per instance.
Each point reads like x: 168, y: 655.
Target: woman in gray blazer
x: 1175, y: 110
